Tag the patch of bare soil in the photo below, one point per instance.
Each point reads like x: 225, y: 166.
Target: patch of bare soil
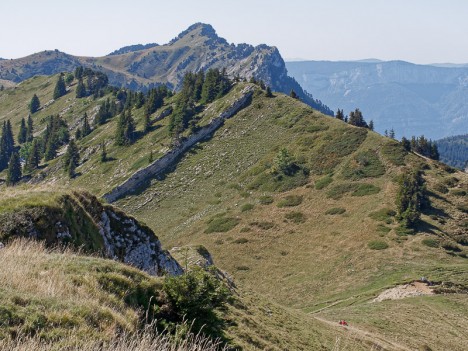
x: 404, y: 291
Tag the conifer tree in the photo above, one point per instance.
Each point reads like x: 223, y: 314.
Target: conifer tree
x: 35, y: 104
x: 32, y: 161
x: 125, y: 131
x: 147, y: 123
x: 60, y: 88
x: 71, y: 169
x: 130, y: 128
x: 391, y: 134
x: 293, y: 94
x: 86, y: 128
x: 7, y: 144
x: 268, y: 92
x: 29, y: 129
x: 71, y: 158
x: 340, y: 115
x: 406, y: 144
x: 22, y: 135
x: 371, y: 124
x: 78, y: 133
x: 103, y: 153
x: 14, y: 170
x: 80, y: 89
x: 356, y: 119
x: 79, y: 72
x: 120, y: 130
x: 410, y: 197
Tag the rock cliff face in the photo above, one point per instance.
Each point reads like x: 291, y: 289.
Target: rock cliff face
x: 163, y: 163
x: 140, y: 67
x: 411, y: 99
x: 80, y: 220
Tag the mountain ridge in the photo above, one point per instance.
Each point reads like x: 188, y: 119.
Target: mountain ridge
x: 196, y: 48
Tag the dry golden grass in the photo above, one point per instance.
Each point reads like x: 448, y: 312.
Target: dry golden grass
x: 139, y: 341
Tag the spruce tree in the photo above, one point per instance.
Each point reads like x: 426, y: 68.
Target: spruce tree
x: 371, y: 125
x: 120, y: 130
x: 4, y: 156
x: 79, y: 72
x: 32, y: 161
x: 130, y: 128
x: 268, y: 93
x: 78, y: 134
x: 86, y: 128
x: 80, y: 89
x: 410, y: 197
x: 293, y: 94
x: 29, y: 129
x: 340, y: 115
x: 392, y: 134
x: 71, y: 169
x: 35, y: 104
x: 71, y: 158
x: 406, y: 144
x: 7, y: 145
x: 356, y: 119
x: 22, y: 135
x: 14, y: 170
x: 103, y: 153
x: 60, y: 88
x: 147, y: 123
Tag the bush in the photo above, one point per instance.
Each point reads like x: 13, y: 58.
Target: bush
x: 243, y: 268
x: 356, y: 189
x: 431, y: 242
x: 383, y: 215
x: 458, y: 192
x: 290, y: 201
x: 450, y: 182
x: 323, y: 182
x: 339, y: 143
x: 395, y: 153
x: 295, y: 217
x: 365, y: 164
x: 265, y: 200
x: 404, y: 231
x: 263, y: 225
x: 383, y: 229
x: 219, y: 224
x: 335, y: 211
x: 241, y: 241
x: 246, y: 207
x: 441, y: 188
x: 377, y: 245
x: 194, y: 296
x: 365, y: 189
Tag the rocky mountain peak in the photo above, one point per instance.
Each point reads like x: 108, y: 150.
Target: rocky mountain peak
x: 199, y: 30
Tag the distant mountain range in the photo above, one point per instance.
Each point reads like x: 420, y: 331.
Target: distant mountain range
x: 140, y: 67
x: 454, y: 151
x: 411, y: 99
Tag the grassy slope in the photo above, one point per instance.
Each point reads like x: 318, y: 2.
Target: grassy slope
x: 61, y: 294
x: 309, y: 265
x: 302, y: 267
x: 71, y: 299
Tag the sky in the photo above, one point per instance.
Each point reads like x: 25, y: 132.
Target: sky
x: 418, y: 31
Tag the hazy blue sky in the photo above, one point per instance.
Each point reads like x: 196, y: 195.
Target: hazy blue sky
x: 421, y: 31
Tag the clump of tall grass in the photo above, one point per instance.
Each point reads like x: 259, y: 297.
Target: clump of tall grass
x: 143, y: 340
